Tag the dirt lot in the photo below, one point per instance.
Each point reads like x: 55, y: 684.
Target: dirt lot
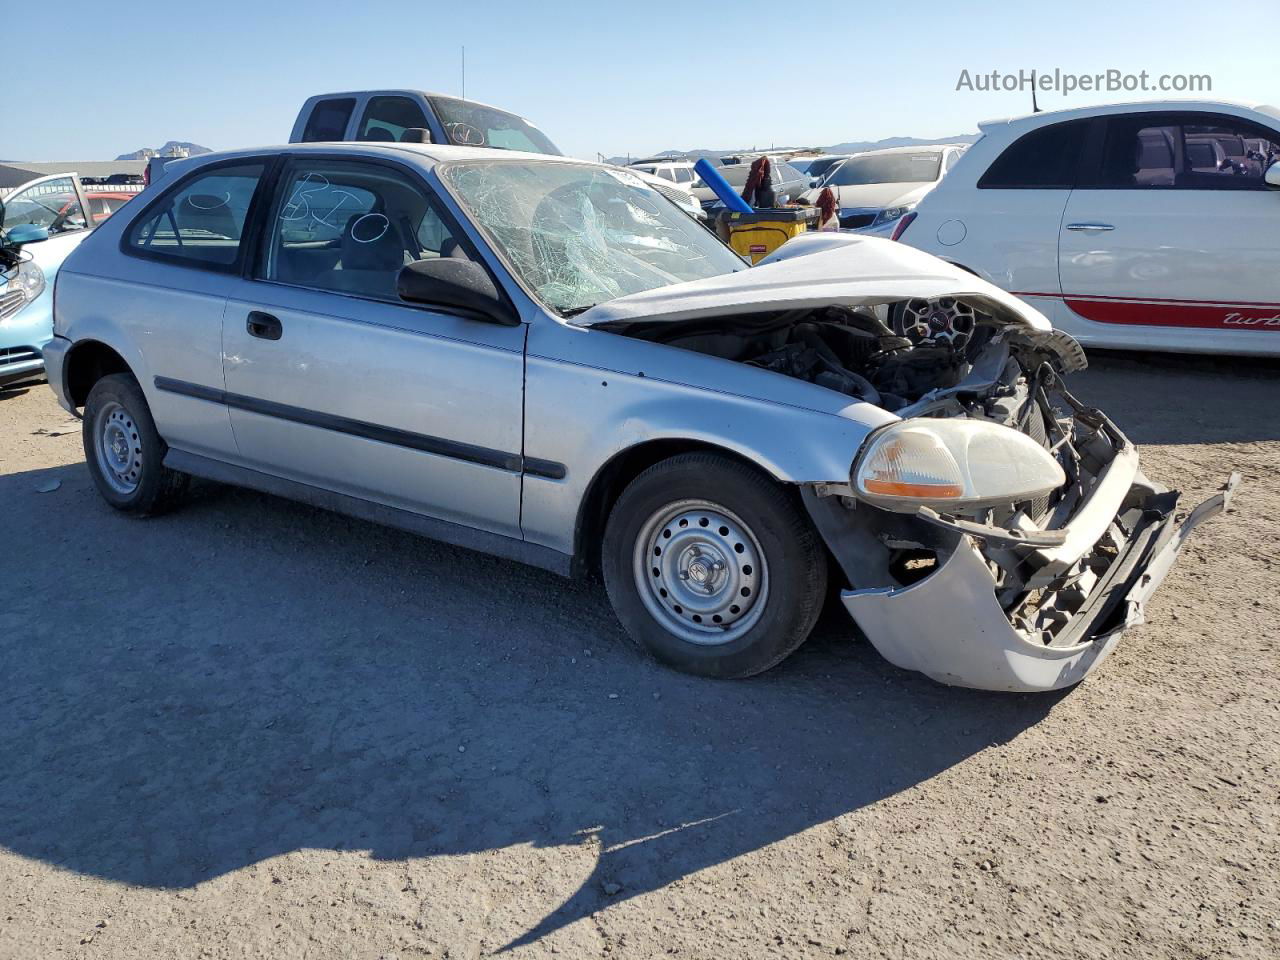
x: 251, y: 729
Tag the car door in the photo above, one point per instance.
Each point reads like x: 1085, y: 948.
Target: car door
x: 1172, y: 239
x: 334, y: 382
x: 167, y: 287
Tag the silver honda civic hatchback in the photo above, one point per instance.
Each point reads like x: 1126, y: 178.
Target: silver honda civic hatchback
x: 545, y: 359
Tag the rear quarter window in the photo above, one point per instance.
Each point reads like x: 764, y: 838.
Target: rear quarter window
x: 1044, y: 159
x: 201, y: 221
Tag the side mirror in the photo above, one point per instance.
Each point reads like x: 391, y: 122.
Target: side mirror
x: 814, y: 182
x: 1272, y: 176
x: 25, y: 233
x: 460, y: 286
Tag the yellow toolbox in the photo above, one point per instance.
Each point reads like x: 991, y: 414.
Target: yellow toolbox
x: 756, y: 235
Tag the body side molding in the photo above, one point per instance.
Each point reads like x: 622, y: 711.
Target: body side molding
x: 440, y: 446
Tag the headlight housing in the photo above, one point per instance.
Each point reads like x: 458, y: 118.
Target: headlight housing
x: 956, y: 465
x: 890, y: 214
x: 29, y: 279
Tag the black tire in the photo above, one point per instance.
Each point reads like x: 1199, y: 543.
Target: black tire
x: 155, y: 488
x: 793, y: 556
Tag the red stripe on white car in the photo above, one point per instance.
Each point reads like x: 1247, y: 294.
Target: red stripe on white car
x: 1171, y: 313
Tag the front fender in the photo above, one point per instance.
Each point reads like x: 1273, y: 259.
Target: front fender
x: 584, y: 416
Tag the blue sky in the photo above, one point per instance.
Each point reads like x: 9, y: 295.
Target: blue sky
x: 608, y: 77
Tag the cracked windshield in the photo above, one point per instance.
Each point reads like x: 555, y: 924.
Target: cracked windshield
x: 577, y: 235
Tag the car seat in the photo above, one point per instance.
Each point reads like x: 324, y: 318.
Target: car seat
x: 372, y: 253
x: 207, y: 213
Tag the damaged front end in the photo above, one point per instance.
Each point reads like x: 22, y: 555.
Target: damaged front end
x: 996, y: 533
x: 1018, y: 596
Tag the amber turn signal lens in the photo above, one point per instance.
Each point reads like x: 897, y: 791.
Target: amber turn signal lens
x: 922, y: 491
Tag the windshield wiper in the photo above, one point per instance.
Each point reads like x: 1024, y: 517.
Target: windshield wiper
x: 574, y: 311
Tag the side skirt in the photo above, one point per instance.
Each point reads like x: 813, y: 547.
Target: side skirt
x: 429, y: 527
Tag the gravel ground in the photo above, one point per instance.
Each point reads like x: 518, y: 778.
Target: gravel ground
x: 252, y: 729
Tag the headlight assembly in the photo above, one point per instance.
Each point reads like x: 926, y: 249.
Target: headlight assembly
x: 29, y: 279
x: 953, y: 464
x: 890, y: 214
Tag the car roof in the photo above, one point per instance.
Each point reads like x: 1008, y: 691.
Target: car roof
x: 428, y: 154
x: 1135, y: 106
x: 404, y: 91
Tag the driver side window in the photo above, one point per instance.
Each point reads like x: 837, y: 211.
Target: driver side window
x: 349, y: 227
x: 1187, y: 151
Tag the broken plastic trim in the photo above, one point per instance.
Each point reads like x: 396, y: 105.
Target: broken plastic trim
x: 1004, y: 536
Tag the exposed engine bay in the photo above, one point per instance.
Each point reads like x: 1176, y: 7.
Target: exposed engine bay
x: 893, y: 357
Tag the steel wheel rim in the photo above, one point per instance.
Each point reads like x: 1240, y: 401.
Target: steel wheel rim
x: 700, y: 572
x: 119, y: 449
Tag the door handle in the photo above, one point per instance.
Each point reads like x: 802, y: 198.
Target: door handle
x: 263, y: 326
x: 1100, y: 227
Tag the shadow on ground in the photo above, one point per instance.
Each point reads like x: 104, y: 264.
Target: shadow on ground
x: 247, y: 677
x: 187, y: 695
x: 11, y: 391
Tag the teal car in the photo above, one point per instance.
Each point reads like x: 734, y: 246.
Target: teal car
x: 43, y: 221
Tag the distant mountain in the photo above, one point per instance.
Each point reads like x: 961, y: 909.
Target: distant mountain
x: 853, y: 146
x: 194, y: 149
x: 858, y: 146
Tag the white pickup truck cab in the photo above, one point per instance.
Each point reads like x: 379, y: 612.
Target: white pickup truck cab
x: 414, y: 116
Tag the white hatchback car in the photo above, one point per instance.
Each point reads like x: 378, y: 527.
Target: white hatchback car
x: 1131, y: 226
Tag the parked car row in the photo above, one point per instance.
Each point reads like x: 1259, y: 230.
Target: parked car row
x: 1132, y: 226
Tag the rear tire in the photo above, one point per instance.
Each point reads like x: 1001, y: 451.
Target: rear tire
x: 124, y: 452
x: 712, y: 567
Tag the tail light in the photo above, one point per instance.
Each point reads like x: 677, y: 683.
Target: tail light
x: 901, y: 228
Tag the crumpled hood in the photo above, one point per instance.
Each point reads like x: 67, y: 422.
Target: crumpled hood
x: 815, y: 270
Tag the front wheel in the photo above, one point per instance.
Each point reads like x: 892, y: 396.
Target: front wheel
x: 712, y: 567
x: 124, y: 451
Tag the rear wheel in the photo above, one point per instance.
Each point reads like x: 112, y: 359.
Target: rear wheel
x: 712, y: 567
x: 123, y: 450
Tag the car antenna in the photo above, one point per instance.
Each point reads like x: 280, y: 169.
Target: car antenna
x: 1035, y: 107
